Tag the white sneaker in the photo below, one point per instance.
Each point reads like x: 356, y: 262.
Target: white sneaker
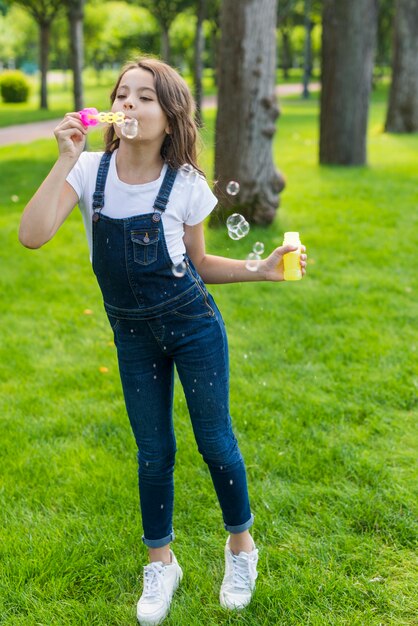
x: 160, y: 583
x: 239, y: 581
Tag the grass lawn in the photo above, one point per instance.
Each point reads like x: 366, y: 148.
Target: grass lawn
x: 323, y: 397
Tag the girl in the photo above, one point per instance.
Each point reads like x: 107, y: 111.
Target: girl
x: 142, y: 218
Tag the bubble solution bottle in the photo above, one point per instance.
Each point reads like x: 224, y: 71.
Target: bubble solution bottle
x: 291, y: 260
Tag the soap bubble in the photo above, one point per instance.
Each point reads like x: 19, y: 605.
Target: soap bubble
x: 232, y: 188
x: 233, y: 234
x: 234, y: 220
x: 179, y: 270
x: 244, y: 228
x: 130, y: 128
x: 258, y: 247
x: 253, y: 262
x: 187, y: 170
x: 237, y: 226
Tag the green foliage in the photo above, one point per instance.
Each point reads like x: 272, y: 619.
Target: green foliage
x: 117, y: 32
x: 165, y: 11
x: 18, y: 36
x: 323, y: 397
x: 14, y: 86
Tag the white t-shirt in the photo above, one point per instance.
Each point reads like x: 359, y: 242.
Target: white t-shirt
x: 191, y: 199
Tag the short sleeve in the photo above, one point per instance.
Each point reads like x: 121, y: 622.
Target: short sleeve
x: 84, y: 171
x: 76, y: 178
x: 202, y: 202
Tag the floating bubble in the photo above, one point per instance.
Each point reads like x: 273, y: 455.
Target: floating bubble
x: 187, y: 170
x: 179, y: 270
x: 258, y: 248
x: 233, y: 234
x: 253, y: 262
x: 234, y: 220
x: 243, y: 229
x: 130, y: 128
x: 14, y: 198
x: 232, y: 188
x: 237, y: 226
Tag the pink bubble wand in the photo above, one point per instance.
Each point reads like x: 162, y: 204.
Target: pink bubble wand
x: 91, y: 117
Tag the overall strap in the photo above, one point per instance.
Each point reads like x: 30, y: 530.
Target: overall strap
x: 163, y: 196
x: 98, y: 196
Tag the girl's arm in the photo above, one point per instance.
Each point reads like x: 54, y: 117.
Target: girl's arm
x: 219, y: 269
x: 55, y: 198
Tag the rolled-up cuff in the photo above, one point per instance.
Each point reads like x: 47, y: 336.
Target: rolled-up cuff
x: 159, y: 543
x: 241, y: 527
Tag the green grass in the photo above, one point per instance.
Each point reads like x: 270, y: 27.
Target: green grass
x: 323, y: 396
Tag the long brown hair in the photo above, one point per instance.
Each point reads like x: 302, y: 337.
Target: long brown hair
x: 179, y: 147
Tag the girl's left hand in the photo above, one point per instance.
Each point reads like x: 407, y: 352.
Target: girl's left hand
x: 273, y: 268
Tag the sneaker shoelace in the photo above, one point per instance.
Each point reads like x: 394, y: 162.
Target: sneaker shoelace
x: 244, y: 571
x: 153, y: 586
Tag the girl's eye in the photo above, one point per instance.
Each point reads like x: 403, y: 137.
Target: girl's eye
x: 145, y: 99
x: 120, y: 96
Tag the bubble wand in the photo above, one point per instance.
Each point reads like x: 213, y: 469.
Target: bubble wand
x: 90, y: 116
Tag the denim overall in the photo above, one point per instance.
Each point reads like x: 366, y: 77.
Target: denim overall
x: 160, y: 321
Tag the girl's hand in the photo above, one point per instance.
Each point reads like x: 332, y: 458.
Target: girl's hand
x: 71, y: 136
x: 273, y: 268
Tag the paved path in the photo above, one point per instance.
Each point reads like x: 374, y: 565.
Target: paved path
x: 25, y: 133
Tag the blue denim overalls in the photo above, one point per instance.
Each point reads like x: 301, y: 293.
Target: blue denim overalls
x: 159, y: 320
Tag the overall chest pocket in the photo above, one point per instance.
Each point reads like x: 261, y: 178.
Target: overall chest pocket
x: 145, y: 243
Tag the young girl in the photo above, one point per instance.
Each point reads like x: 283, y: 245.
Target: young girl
x: 142, y: 217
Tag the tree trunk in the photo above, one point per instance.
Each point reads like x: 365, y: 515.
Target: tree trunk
x: 286, y: 62
x: 44, y: 33
x: 76, y: 16
x: 307, y: 61
x: 348, y: 43
x: 402, y: 115
x: 165, y: 43
x: 198, y: 60
x: 247, y: 111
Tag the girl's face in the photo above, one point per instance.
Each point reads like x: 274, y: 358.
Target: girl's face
x: 136, y: 97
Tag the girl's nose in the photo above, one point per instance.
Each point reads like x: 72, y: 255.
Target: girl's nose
x: 128, y: 106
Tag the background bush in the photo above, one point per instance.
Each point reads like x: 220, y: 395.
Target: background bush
x: 14, y: 87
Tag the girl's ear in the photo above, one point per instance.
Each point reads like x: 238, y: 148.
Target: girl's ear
x: 168, y: 129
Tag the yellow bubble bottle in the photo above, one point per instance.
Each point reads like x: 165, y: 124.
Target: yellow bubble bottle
x: 291, y: 260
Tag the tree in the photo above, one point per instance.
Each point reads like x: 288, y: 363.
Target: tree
x: 198, y: 59
x: 385, y: 22
x: 247, y: 110
x: 348, y: 43
x: 75, y: 12
x: 402, y: 115
x: 285, y: 9
x: 116, y: 32
x: 43, y: 12
x: 164, y: 12
x: 307, y: 64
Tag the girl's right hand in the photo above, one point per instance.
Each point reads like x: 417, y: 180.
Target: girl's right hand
x: 71, y: 136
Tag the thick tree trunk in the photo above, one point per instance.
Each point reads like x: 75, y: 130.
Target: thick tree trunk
x: 44, y: 33
x: 247, y: 111
x: 199, y: 45
x: 76, y: 16
x: 402, y: 115
x: 348, y: 44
